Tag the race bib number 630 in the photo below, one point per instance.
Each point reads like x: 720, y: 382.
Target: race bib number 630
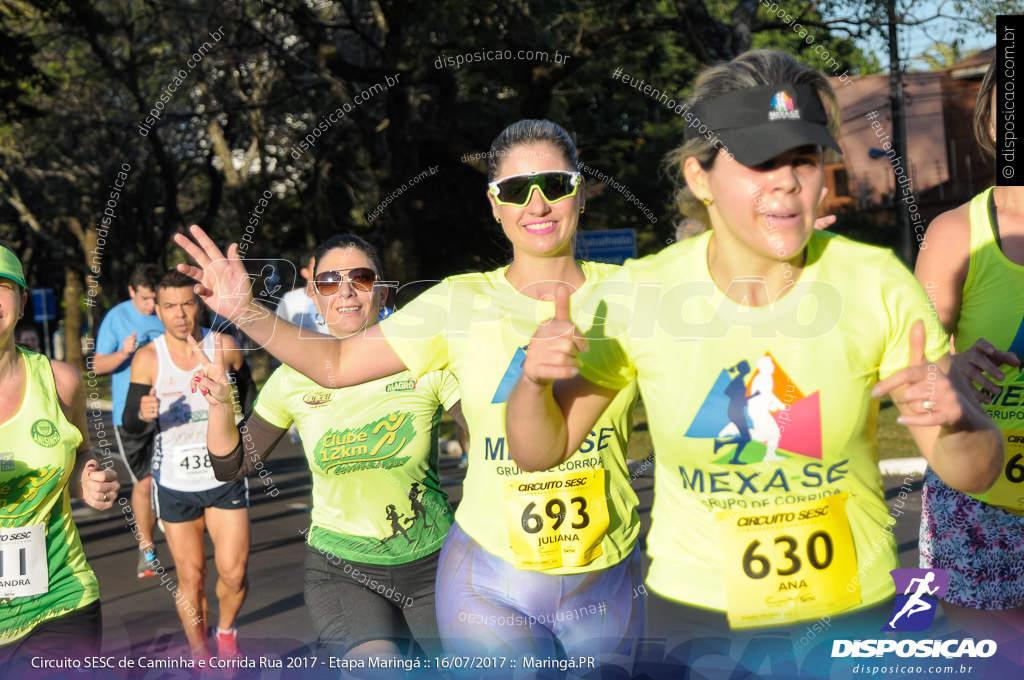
x: 788, y: 563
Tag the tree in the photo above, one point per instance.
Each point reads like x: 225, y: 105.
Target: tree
x: 943, y: 55
x: 286, y: 121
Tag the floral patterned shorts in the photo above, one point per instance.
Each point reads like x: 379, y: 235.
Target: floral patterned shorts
x: 981, y: 546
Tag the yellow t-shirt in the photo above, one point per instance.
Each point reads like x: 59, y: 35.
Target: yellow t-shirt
x: 992, y: 307
x: 755, y: 410
x: 478, y: 327
x: 372, y: 449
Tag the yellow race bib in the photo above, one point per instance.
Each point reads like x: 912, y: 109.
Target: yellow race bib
x: 556, y: 519
x: 788, y: 563
x: 1008, y: 491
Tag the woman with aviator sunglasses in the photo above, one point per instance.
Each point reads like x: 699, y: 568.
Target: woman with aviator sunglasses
x: 379, y: 514
x: 545, y: 564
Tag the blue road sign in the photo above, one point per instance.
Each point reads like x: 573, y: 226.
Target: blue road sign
x: 612, y: 245
x: 43, y: 308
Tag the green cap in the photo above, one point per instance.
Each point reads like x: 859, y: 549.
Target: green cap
x: 10, y: 267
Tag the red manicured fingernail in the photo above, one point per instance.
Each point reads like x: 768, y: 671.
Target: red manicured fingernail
x: 196, y: 378
x: 204, y: 391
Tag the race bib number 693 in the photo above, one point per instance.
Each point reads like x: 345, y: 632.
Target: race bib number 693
x: 556, y: 519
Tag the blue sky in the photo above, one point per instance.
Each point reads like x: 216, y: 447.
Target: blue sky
x: 914, y: 40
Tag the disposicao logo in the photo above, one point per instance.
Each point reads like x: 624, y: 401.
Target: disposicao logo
x: 917, y: 594
x: 921, y: 590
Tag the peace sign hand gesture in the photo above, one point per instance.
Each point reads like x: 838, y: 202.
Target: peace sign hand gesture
x: 212, y: 379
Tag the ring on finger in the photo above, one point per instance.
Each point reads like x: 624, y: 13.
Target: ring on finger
x: 928, y: 405
x: 106, y: 497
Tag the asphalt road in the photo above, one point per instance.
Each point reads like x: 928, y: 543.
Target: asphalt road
x: 139, y: 616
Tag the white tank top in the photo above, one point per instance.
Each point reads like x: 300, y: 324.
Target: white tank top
x: 180, y: 458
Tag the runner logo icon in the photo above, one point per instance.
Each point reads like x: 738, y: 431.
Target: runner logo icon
x: 917, y: 595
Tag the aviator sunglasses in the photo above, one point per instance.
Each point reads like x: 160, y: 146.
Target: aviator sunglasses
x: 360, y: 278
x: 553, y: 187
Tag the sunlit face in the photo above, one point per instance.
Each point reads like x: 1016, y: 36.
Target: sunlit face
x: 143, y: 298
x: 539, y: 227
x: 350, y: 309
x: 767, y: 211
x: 178, y: 309
x: 12, y: 302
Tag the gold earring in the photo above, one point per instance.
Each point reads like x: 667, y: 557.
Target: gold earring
x: 498, y: 220
x: 581, y: 209
x: 705, y: 201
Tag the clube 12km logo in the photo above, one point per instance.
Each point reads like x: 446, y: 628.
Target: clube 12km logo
x: 917, y: 594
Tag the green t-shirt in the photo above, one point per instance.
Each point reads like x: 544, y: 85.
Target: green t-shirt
x: 760, y: 408
x: 36, y: 461
x: 372, y: 449
x: 478, y: 326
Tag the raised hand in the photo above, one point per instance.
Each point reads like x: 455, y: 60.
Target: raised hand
x: 922, y: 391
x: 212, y: 378
x: 149, y: 406
x: 222, y: 282
x: 825, y: 221
x: 554, y: 348
x: 129, y: 343
x: 99, y: 486
x: 981, y: 362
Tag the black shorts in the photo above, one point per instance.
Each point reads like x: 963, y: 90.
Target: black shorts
x: 351, y: 603
x: 75, y: 635
x: 690, y: 637
x: 136, y: 452
x: 185, y: 506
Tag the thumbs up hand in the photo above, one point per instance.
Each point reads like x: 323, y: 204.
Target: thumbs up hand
x: 149, y: 406
x: 923, y: 393
x: 554, y: 348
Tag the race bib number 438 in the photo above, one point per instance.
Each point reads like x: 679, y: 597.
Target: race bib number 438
x: 556, y: 519
x: 788, y: 563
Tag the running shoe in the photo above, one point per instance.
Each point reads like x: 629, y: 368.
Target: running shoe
x: 227, y: 644
x: 146, y: 559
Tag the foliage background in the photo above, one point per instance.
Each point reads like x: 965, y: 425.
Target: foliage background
x: 77, y: 78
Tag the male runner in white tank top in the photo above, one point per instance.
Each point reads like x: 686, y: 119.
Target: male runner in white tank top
x: 187, y: 496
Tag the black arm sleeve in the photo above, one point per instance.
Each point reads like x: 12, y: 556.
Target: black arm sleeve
x: 133, y: 424
x: 256, y: 439
x: 242, y: 380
